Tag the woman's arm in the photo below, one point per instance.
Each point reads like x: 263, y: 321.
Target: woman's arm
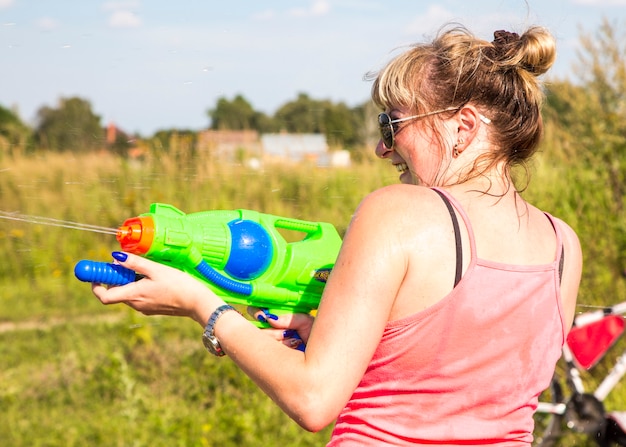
x: 572, y: 270
x: 312, y: 387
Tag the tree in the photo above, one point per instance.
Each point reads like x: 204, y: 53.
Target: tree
x: 304, y: 115
x: 364, y: 122
x: 14, y: 134
x: 590, y: 117
x: 586, y: 123
x: 341, y: 125
x: 70, y: 127
x: 338, y: 122
x: 605, y: 82
x: 237, y: 114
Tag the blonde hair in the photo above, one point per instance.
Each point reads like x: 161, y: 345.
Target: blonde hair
x: 500, y: 78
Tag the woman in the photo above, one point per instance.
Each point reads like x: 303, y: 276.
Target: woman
x: 451, y: 297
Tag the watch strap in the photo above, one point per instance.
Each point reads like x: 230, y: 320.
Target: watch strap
x: 209, y: 339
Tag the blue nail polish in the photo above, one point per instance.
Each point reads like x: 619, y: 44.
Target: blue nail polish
x: 120, y: 256
x: 261, y: 318
x: 290, y: 333
x: 269, y: 315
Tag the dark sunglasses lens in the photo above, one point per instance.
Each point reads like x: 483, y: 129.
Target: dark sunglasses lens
x: 386, y: 130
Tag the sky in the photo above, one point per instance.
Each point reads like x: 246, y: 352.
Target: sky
x: 153, y: 64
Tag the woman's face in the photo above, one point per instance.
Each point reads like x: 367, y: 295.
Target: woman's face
x: 416, y: 153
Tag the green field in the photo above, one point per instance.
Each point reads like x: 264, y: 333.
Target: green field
x: 76, y: 373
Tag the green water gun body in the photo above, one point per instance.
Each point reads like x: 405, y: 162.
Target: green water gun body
x: 240, y: 254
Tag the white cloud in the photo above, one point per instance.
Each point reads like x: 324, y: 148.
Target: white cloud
x: 6, y: 4
x: 123, y: 13
x: 47, y: 24
x: 265, y: 15
x: 124, y: 19
x: 601, y: 2
x: 423, y: 24
x: 316, y: 9
x: 121, y: 5
x: 428, y: 24
x: 320, y: 7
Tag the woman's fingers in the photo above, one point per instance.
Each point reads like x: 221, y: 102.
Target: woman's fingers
x: 292, y: 329
x: 163, y: 290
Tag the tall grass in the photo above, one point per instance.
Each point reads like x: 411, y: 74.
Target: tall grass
x: 77, y: 373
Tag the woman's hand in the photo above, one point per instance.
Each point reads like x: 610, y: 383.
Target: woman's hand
x: 164, y: 290
x: 292, y: 330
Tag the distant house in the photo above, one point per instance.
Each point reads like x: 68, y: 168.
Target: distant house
x: 224, y: 144
x: 294, y: 147
x: 281, y: 147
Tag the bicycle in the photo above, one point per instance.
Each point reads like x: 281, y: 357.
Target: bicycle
x: 571, y: 406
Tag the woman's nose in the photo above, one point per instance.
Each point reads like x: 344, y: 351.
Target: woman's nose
x: 382, y: 151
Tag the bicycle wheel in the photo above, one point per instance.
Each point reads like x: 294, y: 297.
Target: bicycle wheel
x: 615, y: 431
x: 549, y: 417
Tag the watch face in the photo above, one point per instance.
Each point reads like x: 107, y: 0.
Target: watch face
x: 208, y: 343
x: 212, y: 344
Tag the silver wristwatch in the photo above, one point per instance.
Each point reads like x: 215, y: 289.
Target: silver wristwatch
x: 211, y: 342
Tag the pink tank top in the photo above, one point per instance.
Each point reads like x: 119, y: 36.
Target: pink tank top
x: 467, y: 370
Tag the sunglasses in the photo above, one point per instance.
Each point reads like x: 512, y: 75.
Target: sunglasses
x: 388, y: 127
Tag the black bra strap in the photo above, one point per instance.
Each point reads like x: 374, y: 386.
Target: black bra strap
x: 561, y: 263
x: 457, y: 238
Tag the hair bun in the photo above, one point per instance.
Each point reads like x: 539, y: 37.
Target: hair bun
x: 503, y: 38
x: 534, y: 51
x: 502, y: 43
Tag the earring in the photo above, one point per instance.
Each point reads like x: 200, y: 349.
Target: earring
x: 455, y: 148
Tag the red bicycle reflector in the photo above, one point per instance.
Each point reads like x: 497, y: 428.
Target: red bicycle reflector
x: 590, y: 342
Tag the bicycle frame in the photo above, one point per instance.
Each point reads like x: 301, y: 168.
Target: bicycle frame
x: 583, y: 411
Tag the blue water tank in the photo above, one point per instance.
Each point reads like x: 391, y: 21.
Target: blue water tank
x: 251, y: 250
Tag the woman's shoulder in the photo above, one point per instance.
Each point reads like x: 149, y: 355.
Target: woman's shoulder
x: 400, y: 205
x: 571, y: 243
x: 572, y: 268
x: 407, y: 195
x: 568, y: 232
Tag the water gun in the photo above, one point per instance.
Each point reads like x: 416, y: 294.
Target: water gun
x: 240, y: 254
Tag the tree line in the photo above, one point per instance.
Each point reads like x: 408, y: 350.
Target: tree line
x: 589, y: 113
x: 584, y: 140
x: 73, y: 126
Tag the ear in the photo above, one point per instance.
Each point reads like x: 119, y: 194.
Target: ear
x: 468, y: 123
